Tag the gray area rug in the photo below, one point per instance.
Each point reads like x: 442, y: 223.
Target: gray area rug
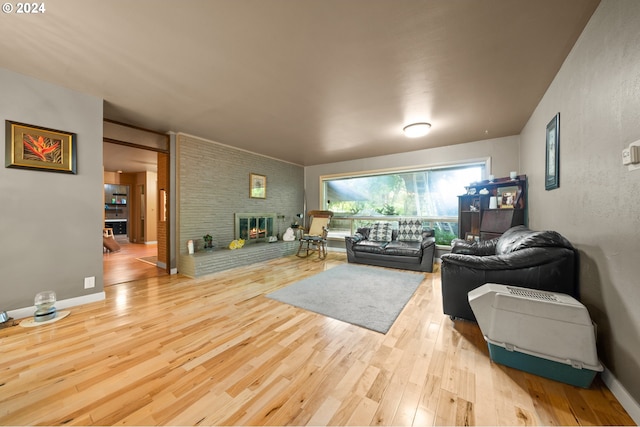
x: 365, y: 296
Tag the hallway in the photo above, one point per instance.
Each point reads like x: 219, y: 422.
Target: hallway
x: 126, y: 265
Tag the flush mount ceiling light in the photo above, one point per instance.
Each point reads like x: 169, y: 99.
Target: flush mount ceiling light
x: 416, y: 130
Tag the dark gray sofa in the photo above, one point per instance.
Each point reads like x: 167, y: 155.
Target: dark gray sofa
x: 409, y: 251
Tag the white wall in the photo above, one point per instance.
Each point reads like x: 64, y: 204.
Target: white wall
x: 502, y: 151
x: 50, y: 223
x: 597, y: 207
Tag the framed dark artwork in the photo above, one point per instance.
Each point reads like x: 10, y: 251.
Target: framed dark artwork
x: 39, y: 148
x: 552, y: 169
x: 257, y: 186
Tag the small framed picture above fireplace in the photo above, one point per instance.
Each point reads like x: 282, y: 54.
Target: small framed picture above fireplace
x: 257, y: 186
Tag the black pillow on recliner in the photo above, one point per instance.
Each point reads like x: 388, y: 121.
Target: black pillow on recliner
x: 520, y: 237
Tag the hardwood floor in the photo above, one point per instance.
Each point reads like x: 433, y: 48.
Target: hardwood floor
x: 215, y: 351
x: 124, y: 265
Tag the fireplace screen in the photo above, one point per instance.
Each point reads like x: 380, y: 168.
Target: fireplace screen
x: 254, y: 227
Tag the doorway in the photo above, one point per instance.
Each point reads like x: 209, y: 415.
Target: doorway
x: 138, y: 173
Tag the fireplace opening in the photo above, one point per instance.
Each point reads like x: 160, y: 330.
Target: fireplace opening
x: 254, y: 227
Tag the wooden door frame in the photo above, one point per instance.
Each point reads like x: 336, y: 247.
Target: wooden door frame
x: 162, y: 186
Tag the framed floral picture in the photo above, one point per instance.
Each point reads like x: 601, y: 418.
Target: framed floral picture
x: 257, y: 186
x: 39, y: 148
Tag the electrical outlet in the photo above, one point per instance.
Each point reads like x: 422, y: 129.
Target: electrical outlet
x: 89, y: 282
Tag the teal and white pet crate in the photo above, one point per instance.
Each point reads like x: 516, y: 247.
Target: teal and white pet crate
x: 544, y: 333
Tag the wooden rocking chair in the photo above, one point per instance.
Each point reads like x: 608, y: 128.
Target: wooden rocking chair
x: 315, y: 239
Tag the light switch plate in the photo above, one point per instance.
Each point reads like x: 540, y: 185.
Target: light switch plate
x: 631, y: 156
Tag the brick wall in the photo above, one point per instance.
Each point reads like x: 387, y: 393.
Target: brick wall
x: 213, y: 184
x: 220, y: 259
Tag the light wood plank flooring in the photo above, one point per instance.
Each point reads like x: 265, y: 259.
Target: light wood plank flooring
x: 125, y: 266
x: 215, y: 351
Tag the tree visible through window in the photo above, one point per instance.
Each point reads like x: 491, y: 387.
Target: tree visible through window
x: 428, y: 193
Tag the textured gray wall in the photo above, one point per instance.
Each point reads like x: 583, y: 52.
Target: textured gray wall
x: 597, y: 206
x: 213, y: 184
x: 50, y: 223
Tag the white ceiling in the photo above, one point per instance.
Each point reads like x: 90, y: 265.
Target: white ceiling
x: 306, y: 81
x: 126, y: 159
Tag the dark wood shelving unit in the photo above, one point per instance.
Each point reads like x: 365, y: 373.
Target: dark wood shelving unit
x: 478, y: 221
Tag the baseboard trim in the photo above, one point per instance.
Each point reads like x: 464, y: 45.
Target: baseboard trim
x: 628, y: 403
x: 22, y: 313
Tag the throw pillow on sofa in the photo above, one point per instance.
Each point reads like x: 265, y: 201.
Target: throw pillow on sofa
x: 410, y: 230
x: 381, y: 232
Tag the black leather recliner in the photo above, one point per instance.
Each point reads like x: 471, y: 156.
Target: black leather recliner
x: 541, y: 260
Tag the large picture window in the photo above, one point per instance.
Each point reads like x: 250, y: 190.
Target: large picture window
x: 430, y: 194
